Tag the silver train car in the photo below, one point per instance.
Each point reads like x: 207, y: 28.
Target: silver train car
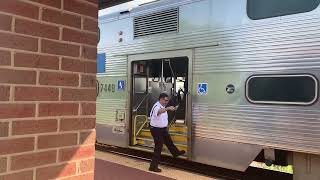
x: 243, y: 73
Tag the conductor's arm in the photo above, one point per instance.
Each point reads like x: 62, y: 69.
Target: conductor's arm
x: 163, y: 110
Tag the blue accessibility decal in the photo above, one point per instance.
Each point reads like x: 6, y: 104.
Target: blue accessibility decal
x: 202, y: 88
x: 121, y: 85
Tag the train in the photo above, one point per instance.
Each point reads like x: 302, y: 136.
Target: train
x: 244, y: 75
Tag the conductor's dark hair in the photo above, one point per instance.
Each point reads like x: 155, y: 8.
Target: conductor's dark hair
x: 163, y: 95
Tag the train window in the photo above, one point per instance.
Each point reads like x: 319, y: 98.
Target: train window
x: 140, y: 84
x: 101, y: 63
x: 261, y: 9
x: 282, y: 89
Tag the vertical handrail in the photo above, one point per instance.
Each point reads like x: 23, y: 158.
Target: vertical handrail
x: 134, y: 131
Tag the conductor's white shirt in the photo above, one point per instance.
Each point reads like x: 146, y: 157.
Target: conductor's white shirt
x: 160, y: 121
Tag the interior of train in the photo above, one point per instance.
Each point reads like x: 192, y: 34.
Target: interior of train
x: 149, y: 79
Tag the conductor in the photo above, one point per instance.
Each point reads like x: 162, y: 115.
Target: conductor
x: 159, y: 131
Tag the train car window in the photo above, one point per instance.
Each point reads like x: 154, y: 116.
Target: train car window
x: 140, y: 84
x: 101, y: 63
x: 261, y: 9
x: 282, y: 89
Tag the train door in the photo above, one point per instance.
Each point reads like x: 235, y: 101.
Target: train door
x: 150, y: 75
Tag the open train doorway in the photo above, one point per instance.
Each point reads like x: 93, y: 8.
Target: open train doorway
x: 150, y: 78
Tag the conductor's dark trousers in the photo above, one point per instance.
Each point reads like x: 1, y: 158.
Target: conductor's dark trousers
x: 161, y: 136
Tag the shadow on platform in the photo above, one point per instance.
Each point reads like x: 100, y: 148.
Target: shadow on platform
x: 105, y: 170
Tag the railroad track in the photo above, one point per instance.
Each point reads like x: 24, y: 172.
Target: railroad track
x: 215, y: 172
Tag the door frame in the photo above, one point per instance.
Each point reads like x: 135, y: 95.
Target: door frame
x: 189, y: 53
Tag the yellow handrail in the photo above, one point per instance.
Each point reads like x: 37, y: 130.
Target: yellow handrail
x: 141, y: 127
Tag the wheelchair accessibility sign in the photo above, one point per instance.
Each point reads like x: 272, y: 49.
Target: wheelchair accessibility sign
x: 202, y: 89
x: 121, y: 85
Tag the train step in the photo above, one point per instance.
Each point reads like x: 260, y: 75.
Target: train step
x: 180, y: 122
x: 171, y: 131
x: 176, y: 137
x: 177, y: 129
x: 165, y: 152
x: 146, y: 142
x: 150, y: 141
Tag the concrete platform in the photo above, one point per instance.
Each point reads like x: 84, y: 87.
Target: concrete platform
x: 106, y: 170
x: 116, y: 167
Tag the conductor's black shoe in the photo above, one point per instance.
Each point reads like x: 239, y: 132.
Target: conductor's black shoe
x: 179, y: 153
x: 155, y: 170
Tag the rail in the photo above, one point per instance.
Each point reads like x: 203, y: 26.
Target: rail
x: 143, y: 124
x: 136, y: 129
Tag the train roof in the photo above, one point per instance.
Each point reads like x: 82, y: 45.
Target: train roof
x: 144, y: 8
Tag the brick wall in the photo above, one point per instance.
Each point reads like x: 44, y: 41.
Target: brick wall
x: 47, y: 89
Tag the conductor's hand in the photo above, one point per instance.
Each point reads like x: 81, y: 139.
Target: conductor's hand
x: 171, y: 108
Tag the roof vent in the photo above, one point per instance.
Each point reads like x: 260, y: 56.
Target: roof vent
x: 156, y: 23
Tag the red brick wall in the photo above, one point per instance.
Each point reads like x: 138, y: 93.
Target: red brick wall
x: 47, y: 89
